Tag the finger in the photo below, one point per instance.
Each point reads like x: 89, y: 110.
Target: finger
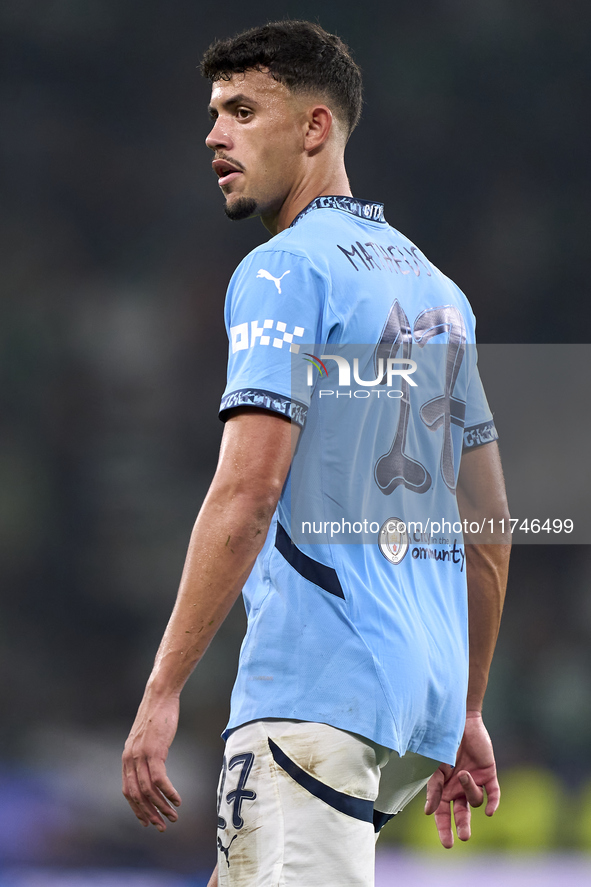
x: 462, y: 819
x: 434, y: 792
x: 443, y: 823
x: 153, y: 800
x: 493, y: 796
x: 163, y: 783
x: 144, y: 800
x: 474, y: 793
x: 133, y: 795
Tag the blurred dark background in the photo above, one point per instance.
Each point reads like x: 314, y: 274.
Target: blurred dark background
x: 115, y: 255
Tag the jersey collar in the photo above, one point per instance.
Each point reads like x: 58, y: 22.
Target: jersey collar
x: 365, y: 209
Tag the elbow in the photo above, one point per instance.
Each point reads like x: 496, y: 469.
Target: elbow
x: 253, y: 496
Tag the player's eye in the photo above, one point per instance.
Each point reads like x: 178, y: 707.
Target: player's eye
x: 243, y: 113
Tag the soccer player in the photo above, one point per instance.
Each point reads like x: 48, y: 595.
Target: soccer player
x: 356, y: 686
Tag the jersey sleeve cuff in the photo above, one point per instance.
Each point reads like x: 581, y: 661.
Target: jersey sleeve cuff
x: 265, y: 400
x: 477, y: 435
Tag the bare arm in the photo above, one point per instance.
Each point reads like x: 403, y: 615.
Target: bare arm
x: 481, y: 494
x: 227, y: 537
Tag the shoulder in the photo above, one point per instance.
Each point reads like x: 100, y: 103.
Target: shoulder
x: 286, y: 253
x: 288, y: 244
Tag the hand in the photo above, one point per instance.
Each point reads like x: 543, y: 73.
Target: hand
x: 145, y: 784
x: 463, y: 784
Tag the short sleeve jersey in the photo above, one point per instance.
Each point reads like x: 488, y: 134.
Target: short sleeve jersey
x: 369, y: 636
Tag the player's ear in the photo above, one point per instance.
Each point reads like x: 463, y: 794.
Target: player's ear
x: 319, y: 124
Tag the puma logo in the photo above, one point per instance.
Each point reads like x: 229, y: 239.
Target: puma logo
x: 276, y: 280
x: 226, y: 850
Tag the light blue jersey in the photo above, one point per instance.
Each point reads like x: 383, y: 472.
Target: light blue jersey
x: 357, y: 604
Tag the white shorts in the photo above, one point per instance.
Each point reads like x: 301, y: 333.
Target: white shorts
x: 300, y: 804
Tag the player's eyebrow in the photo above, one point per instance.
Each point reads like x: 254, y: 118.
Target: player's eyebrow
x: 239, y: 99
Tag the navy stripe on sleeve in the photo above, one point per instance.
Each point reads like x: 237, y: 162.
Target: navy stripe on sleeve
x: 477, y: 435
x: 265, y: 400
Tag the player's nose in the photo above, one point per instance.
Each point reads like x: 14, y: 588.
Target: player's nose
x: 219, y: 137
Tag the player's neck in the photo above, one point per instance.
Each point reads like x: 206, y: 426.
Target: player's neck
x: 333, y: 181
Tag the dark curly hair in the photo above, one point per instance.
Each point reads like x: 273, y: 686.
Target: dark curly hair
x: 299, y: 54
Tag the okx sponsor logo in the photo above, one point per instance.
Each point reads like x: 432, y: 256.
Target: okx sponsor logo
x: 247, y: 335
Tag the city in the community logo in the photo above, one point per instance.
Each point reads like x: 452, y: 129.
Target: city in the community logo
x: 393, y: 540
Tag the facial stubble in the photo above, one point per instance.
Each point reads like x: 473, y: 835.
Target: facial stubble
x: 241, y: 208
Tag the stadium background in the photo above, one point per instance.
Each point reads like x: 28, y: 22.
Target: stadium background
x: 115, y: 258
